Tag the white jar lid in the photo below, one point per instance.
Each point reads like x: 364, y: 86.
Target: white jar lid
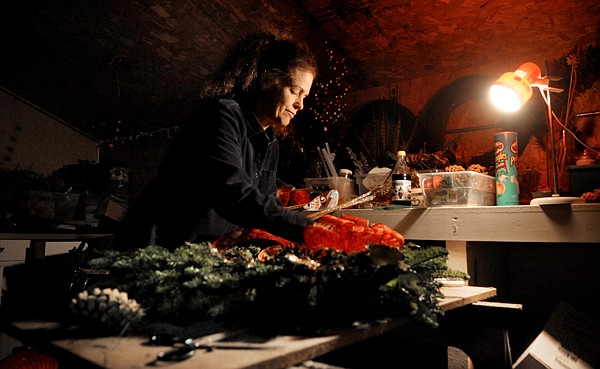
x: 345, y: 172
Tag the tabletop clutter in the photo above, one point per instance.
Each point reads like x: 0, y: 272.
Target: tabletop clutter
x: 252, y: 271
x: 400, y: 186
x: 407, y: 184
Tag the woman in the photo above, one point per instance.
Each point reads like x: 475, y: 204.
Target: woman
x: 220, y: 172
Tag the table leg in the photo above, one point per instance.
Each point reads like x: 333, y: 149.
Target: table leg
x: 36, y: 250
x: 457, y: 255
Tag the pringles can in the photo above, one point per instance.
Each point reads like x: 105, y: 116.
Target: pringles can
x: 506, y: 150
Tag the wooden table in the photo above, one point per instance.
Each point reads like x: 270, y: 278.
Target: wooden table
x: 536, y: 256
x: 522, y: 223
x: 279, y: 352
x: 39, y: 240
x: 27, y: 247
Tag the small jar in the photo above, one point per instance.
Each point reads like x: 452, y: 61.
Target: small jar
x: 585, y: 159
x: 344, y: 184
x: 346, y: 173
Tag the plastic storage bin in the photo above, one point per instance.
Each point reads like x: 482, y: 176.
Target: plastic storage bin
x: 463, y: 188
x: 56, y: 206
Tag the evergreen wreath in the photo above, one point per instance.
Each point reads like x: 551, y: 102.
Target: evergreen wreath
x: 294, y: 292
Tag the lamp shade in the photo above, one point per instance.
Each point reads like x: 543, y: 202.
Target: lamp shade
x: 513, y: 89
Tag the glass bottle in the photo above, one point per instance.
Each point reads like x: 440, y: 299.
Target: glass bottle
x: 401, y: 181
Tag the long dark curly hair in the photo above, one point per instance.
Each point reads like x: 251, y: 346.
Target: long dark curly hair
x: 256, y: 64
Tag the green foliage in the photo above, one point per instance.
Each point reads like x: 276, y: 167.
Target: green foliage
x: 431, y: 261
x: 293, y: 292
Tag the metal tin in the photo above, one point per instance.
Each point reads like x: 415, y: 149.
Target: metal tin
x: 507, y: 182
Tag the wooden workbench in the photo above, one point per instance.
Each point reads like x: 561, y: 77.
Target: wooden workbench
x: 521, y: 223
x: 456, y: 226
x: 536, y: 256
x: 39, y: 240
x: 279, y: 352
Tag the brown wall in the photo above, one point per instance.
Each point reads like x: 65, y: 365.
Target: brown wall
x: 34, y: 139
x: 534, y: 163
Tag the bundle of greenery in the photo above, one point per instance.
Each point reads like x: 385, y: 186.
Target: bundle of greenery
x: 293, y: 292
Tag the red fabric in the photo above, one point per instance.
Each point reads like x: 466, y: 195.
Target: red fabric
x: 349, y: 234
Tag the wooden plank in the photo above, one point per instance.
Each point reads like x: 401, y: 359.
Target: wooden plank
x: 279, y: 352
x: 52, y: 237
x: 455, y: 297
x: 575, y: 223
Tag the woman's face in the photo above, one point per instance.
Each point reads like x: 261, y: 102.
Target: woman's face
x: 280, y: 104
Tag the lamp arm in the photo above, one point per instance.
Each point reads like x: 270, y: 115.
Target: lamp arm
x: 545, y: 91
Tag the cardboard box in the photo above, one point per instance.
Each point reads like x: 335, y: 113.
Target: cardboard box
x: 113, y: 208
x: 570, y: 340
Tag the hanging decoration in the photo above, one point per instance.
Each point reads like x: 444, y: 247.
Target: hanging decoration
x: 325, y: 105
x: 170, y: 132
x: 116, y: 60
x: 330, y: 92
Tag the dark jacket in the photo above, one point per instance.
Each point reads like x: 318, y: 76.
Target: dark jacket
x: 219, y: 174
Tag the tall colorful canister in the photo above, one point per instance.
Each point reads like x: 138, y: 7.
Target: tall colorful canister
x: 507, y: 182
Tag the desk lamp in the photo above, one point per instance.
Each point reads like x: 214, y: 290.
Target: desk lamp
x: 510, y: 92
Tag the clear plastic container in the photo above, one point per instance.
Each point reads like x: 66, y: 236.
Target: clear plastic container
x: 346, y: 187
x: 464, y: 188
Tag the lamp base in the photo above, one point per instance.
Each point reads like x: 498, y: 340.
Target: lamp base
x: 556, y: 200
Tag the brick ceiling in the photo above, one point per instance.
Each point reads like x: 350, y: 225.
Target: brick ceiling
x: 92, y: 63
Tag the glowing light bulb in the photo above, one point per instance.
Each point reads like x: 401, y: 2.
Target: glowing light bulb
x: 505, y: 98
